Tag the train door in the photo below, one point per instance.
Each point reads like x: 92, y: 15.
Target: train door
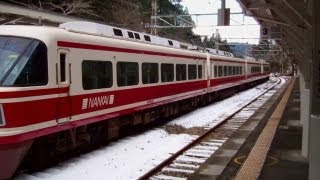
x: 212, y: 73
x: 246, y: 69
x: 63, y: 70
x: 208, y: 71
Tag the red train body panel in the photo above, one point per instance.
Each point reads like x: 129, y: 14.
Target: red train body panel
x: 57, y: 95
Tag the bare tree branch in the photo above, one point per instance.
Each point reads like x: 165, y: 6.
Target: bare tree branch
x: 71, y: 7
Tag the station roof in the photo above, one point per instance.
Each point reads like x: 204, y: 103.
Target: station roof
x: 293, y: 16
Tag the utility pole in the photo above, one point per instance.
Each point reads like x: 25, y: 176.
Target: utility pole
x: 223, y: 15
x: 223, y: 5
x: 154, y: 8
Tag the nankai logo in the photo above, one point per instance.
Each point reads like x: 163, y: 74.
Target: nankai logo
x: 97, y: 101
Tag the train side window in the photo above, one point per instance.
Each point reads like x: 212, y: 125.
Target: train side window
x: 233, y: 70
x: 192, y: 71
x: 117, y: 32
x: 181, y: 72
x: 229, y: 70
x: 241, y: 70
x: 130, y: 34
x: 96, y: 74
x: 150, y: 73
x: 127, y: 73
x: 215, y: 71
x: 220, y: 71
x: 199, y: 71
x: 147, y: 38
x: 62, y: 67
x: 170, y: 43
x: 136, y: 35
x: 167, y: 72
x: 183, y: 46
x: 225, y: 70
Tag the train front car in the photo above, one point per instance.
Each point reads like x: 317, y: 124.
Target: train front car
x: 40, y: 108
x: 24, y: 87
x: 38, y: 100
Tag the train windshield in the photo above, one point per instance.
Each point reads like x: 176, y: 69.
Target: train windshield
x: 23, y: 62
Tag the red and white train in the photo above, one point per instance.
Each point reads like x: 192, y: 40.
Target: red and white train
x: 70, y: 84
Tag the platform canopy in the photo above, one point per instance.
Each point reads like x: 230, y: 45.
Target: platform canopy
x: 293, y: 18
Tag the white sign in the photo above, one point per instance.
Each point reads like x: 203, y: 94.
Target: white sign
x: 270, y: 32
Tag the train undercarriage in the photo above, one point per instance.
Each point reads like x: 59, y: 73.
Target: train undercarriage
x: 48, y: 150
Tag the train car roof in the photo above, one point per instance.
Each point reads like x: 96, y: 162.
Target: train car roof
x: 49, y: 34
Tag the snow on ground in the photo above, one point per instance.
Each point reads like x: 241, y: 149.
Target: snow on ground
x: 219, y: 110
x: 131, y: 157
x: 128, y: 158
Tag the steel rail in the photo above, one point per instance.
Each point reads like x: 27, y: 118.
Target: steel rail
x: 167, y: 161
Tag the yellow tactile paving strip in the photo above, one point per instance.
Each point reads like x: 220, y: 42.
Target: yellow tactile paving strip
x: 252, y: 167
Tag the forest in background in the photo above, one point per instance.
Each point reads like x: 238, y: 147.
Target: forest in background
x: 130, y: 14
x: 135, y: 15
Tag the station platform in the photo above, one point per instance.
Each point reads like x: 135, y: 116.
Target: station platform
x: 267, y: 146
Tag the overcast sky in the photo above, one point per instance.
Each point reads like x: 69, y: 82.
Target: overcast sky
x: 206, y: 25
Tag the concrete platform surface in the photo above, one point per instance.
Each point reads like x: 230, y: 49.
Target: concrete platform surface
x: 284, y: 160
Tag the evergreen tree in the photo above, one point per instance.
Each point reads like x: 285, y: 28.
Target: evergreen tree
x: 215, y: 42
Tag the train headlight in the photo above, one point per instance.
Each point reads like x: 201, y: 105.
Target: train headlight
x: 2, y: 120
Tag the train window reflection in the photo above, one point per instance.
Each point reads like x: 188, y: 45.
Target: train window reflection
x: 192, y: 71
x: 29, y: 68
x: 136, y: 35
x: 167, y: 72
x: 150, y: 73
x: 96, y: 74
x: 181, y: 70
x: 219, y: 71
x: 199, y: 71
x: 130, y: 34
x: 147, y: 38
x: 127, y: 73
x: 229, y: 70
x: 62, y: 67
x: 215, y: 71
x: 225, y: 70
x: 117, y: 32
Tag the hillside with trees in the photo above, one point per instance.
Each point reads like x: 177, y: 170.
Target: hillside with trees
x: 130, y: 14
x: 216, y: 42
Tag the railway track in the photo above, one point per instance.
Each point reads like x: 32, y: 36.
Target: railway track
x: 187, y: 160
x: 209, y: 135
